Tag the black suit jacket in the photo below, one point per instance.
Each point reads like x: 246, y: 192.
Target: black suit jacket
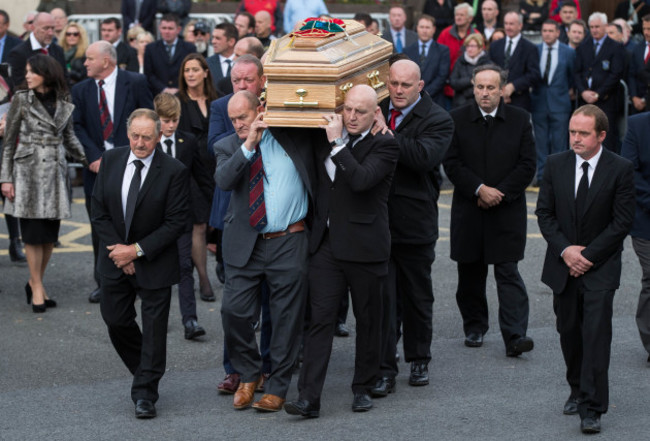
x: 159, y: 69
x: 160, y: 216
x: 188, y: 152
x: 423, y: 137
x: 606, y: 69
x: 523, y: 69
x: 503, y: 156
x: 10, y: 43
x: 608, y: 218
x: 21, y: 53
x: 131, y: 92
x: 356, y: 203
x: 127, y: 57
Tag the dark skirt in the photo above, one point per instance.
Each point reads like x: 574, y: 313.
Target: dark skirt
x: 40, y: 231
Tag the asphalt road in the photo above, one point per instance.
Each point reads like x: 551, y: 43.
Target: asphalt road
x: 60, y: 378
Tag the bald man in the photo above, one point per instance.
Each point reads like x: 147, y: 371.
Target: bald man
x: 249, y: 45
x: 263, y: 29
x: 423, y: 131
x: 349, y: 247
x: 39, y: 42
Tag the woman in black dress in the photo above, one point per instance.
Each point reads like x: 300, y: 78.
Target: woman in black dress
x: 196, y: 92
x: 33, y: 172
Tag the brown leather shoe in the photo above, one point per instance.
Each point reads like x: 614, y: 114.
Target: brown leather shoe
x: 229, y: 384
x: 269, y: 403
x: 260, y: 384
x: 244, y: 396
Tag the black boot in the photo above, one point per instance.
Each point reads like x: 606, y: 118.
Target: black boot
x: 16, y: 251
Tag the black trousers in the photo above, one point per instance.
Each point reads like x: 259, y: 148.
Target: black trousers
x: 409, y: 286
x: 143, y: 352
x: 282, y: 263
x: 511, y: 291
x: 186, y: 299
x: 329, y: 279
x: 584, y: 322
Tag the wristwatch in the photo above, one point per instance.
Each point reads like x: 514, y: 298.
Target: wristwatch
x: 337, y: 141
x: 138, y: 250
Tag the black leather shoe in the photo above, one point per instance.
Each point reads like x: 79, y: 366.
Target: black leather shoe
x: 95, y: 296
x: 208, y: 297
x: 302, y: 408
x: 221, y: 272
x: 145, y: 409
x: 362, y: 402
x: 16, y: 251
x: 193, y: 329
x: 419, y: 373
x: 474, y: 340
x: 590, y: 424
x: 384, y: 386
x: 518, y: 346
x: 341, y: 330
x: 571, y: 406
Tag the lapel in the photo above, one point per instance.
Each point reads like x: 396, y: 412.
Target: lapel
x: 152, y: 176
x: 177, y: 51
x: 568, y: 171
x: 116, y: 180
x: 121, y: 87
x: 599, y: 178
x: 37, y: 110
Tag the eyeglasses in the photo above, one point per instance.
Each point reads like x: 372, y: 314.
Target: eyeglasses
x: 132, y: 39
x: 72, y: 34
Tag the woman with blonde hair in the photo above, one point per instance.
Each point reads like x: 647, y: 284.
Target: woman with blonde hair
x: 132, y: 36
x: 74, y: 42
x: 143, y: 39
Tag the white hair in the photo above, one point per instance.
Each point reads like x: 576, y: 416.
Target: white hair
x: 598, y: 16
x: 461, y: 6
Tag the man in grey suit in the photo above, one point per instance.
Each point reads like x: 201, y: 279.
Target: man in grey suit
x: 397, y: 33
x: 270, y: 173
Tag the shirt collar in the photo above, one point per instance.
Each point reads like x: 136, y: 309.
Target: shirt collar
x: 173, y: 138
x: 146, y: 161
x: 346, y: 135
x: 592, y: 162
x: 600, y: 42
x: 34, y: 42
x: 110, y: 79
x: 515, y: 40
x: 492, y: 113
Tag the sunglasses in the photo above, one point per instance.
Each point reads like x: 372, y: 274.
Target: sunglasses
x: 72, y: 34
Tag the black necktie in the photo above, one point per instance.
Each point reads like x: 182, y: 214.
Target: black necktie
x: 596, y: 43
x: 488, y: 121
x: 352, y: 138
x: 169, y: 48
x: 508, y: 53
x: 547, y: 68
x: 169, y: 144
x: 132, y: 196
x: 581, y: 195
x: 423, y: 53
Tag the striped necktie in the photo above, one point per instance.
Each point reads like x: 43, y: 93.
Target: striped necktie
x: 256, y: 206
x: 104, y: 114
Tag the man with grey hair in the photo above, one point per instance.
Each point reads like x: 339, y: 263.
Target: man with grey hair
x: 138, y: 254
x: 60, y: 21
x: 103, y: 102
x: 518, y: 57
x: 491, y: 161
x: 600, y: 64
x: 28, y: 24
x: 39, y: 42
x: 454, y: 36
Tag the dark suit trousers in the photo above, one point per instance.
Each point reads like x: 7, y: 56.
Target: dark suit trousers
x: 642, y: 249
x: 329, y: 279
x: 409, y: 283
x: 584, y: 321
x: 144, y: 353
x: 186, y: 299
x: 282, y: 262
x: 95, y: 241
x: 511, y: 291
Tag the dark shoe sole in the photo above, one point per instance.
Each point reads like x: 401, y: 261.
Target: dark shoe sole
x: 473, y: 344
x: 418, y: 383
x: 226, y: 391
x: 145, y: 416
x: 361, y: 408
x: 517, y: 350
x: 209, y: 299
x: 195, y: 334
x: 292, y: 410
x: 590, y: 430
x: 381, y: 393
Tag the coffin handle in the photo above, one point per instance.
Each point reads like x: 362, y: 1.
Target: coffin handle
x: 373, y: 80
x: 301, y: 93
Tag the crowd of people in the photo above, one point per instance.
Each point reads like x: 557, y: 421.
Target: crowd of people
x: 302, y: 217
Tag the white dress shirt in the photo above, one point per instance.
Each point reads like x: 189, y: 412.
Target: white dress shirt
x: 224, y: 64
x: 130, y: 171
x: 515, y: 41
x: 592, y: 168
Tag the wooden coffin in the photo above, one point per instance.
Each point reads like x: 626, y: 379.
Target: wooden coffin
x: 307, y: 77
